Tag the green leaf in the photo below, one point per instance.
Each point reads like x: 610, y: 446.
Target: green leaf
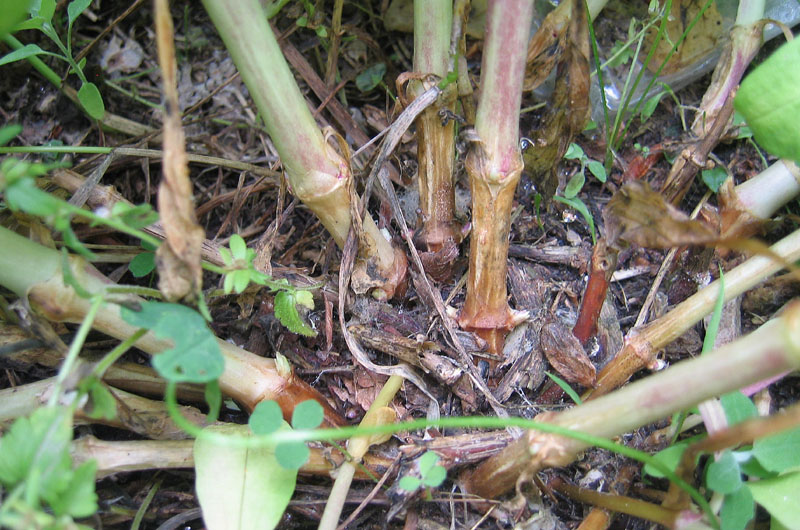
x: 724, y: 474
x: 650, y: 105
x: 23, y: 53
x: 13, y: 11
x: 435, y: 477
x: 670, y: 457
x: 292, y: 455
x: 578, y: 204
x: 91, y: 100
x: 574, y: 185
x: 574, y: 152
x: 716, y: 316
x: 266, y: 418
x: 779, y: 452
x: 102, y: 404
x: 744, y: 130
x: 770, y: 102
x: 737, y: 510
x: 751, y: 466
x: 9, y: 132
x: 371, y: 77
x: 321, y: 32
x: 240, y: 488
x: 427, y: 462
x: 227, y: 284
x: 40, y: 442
x: 737, y: 407
x: 307, y: 415
x: 227, y: 259
x: 305, y: 299
x: 598, y: 170
x: 238, y: 247
x: 79, y: 498
x: 75, y: 8
x: 241, y: 279
x: 196, y: 356
x: 565, y: 387
x: 142, y: 264
x: 286, y: 312
x: 136, y: 217
x: 302, y: 21
x: 779, y: 497
x: 43, y: 9
x: 714, y: 178
x: 409, y: 483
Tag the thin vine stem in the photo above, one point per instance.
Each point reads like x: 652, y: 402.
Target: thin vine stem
x: 475, y: 422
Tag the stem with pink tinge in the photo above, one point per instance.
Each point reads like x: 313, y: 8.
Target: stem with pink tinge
x: 494, y: 164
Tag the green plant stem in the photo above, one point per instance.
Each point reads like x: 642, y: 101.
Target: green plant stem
x: 144, y: 153
x: 118, y: 351
x: 494, y: 164
x: 110, y: 121
x: 318, y: 175
x: 37, y: 63
x: 75, y: 348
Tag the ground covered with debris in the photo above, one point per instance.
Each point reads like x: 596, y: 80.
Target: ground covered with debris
x: 242, y: 191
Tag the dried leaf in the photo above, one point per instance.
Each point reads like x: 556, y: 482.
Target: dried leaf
x: 180, y: 273
x: 701, y: 40
x: 569, y: 109
x: 566, y: 354
x: 638, y: 214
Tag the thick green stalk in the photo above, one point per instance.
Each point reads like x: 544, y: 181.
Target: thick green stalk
x: 494, y: 164
x: 318, y: 175
x: 435, y: 142
x: 772, y: 349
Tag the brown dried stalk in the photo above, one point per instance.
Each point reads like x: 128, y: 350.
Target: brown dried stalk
x: 494, y: 164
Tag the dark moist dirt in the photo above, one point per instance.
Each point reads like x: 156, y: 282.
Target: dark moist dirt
x: 550, y: 248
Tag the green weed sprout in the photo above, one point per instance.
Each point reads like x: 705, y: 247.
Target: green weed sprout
x: 41, y: 18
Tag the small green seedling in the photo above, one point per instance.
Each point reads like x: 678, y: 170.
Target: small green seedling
x: 41, y: 18
x: 240, y: 271
x: 431, y: 474
x: 575, y: 184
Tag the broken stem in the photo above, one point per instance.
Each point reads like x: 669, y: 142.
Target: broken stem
x: 642, y: 344
x: 248, y: 378
x: 772, y: 349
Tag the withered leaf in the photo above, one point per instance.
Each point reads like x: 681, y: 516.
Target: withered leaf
x: 566, y: 354
x: 180, y: 272
x: 638, y: 214
x: 569, y: 109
